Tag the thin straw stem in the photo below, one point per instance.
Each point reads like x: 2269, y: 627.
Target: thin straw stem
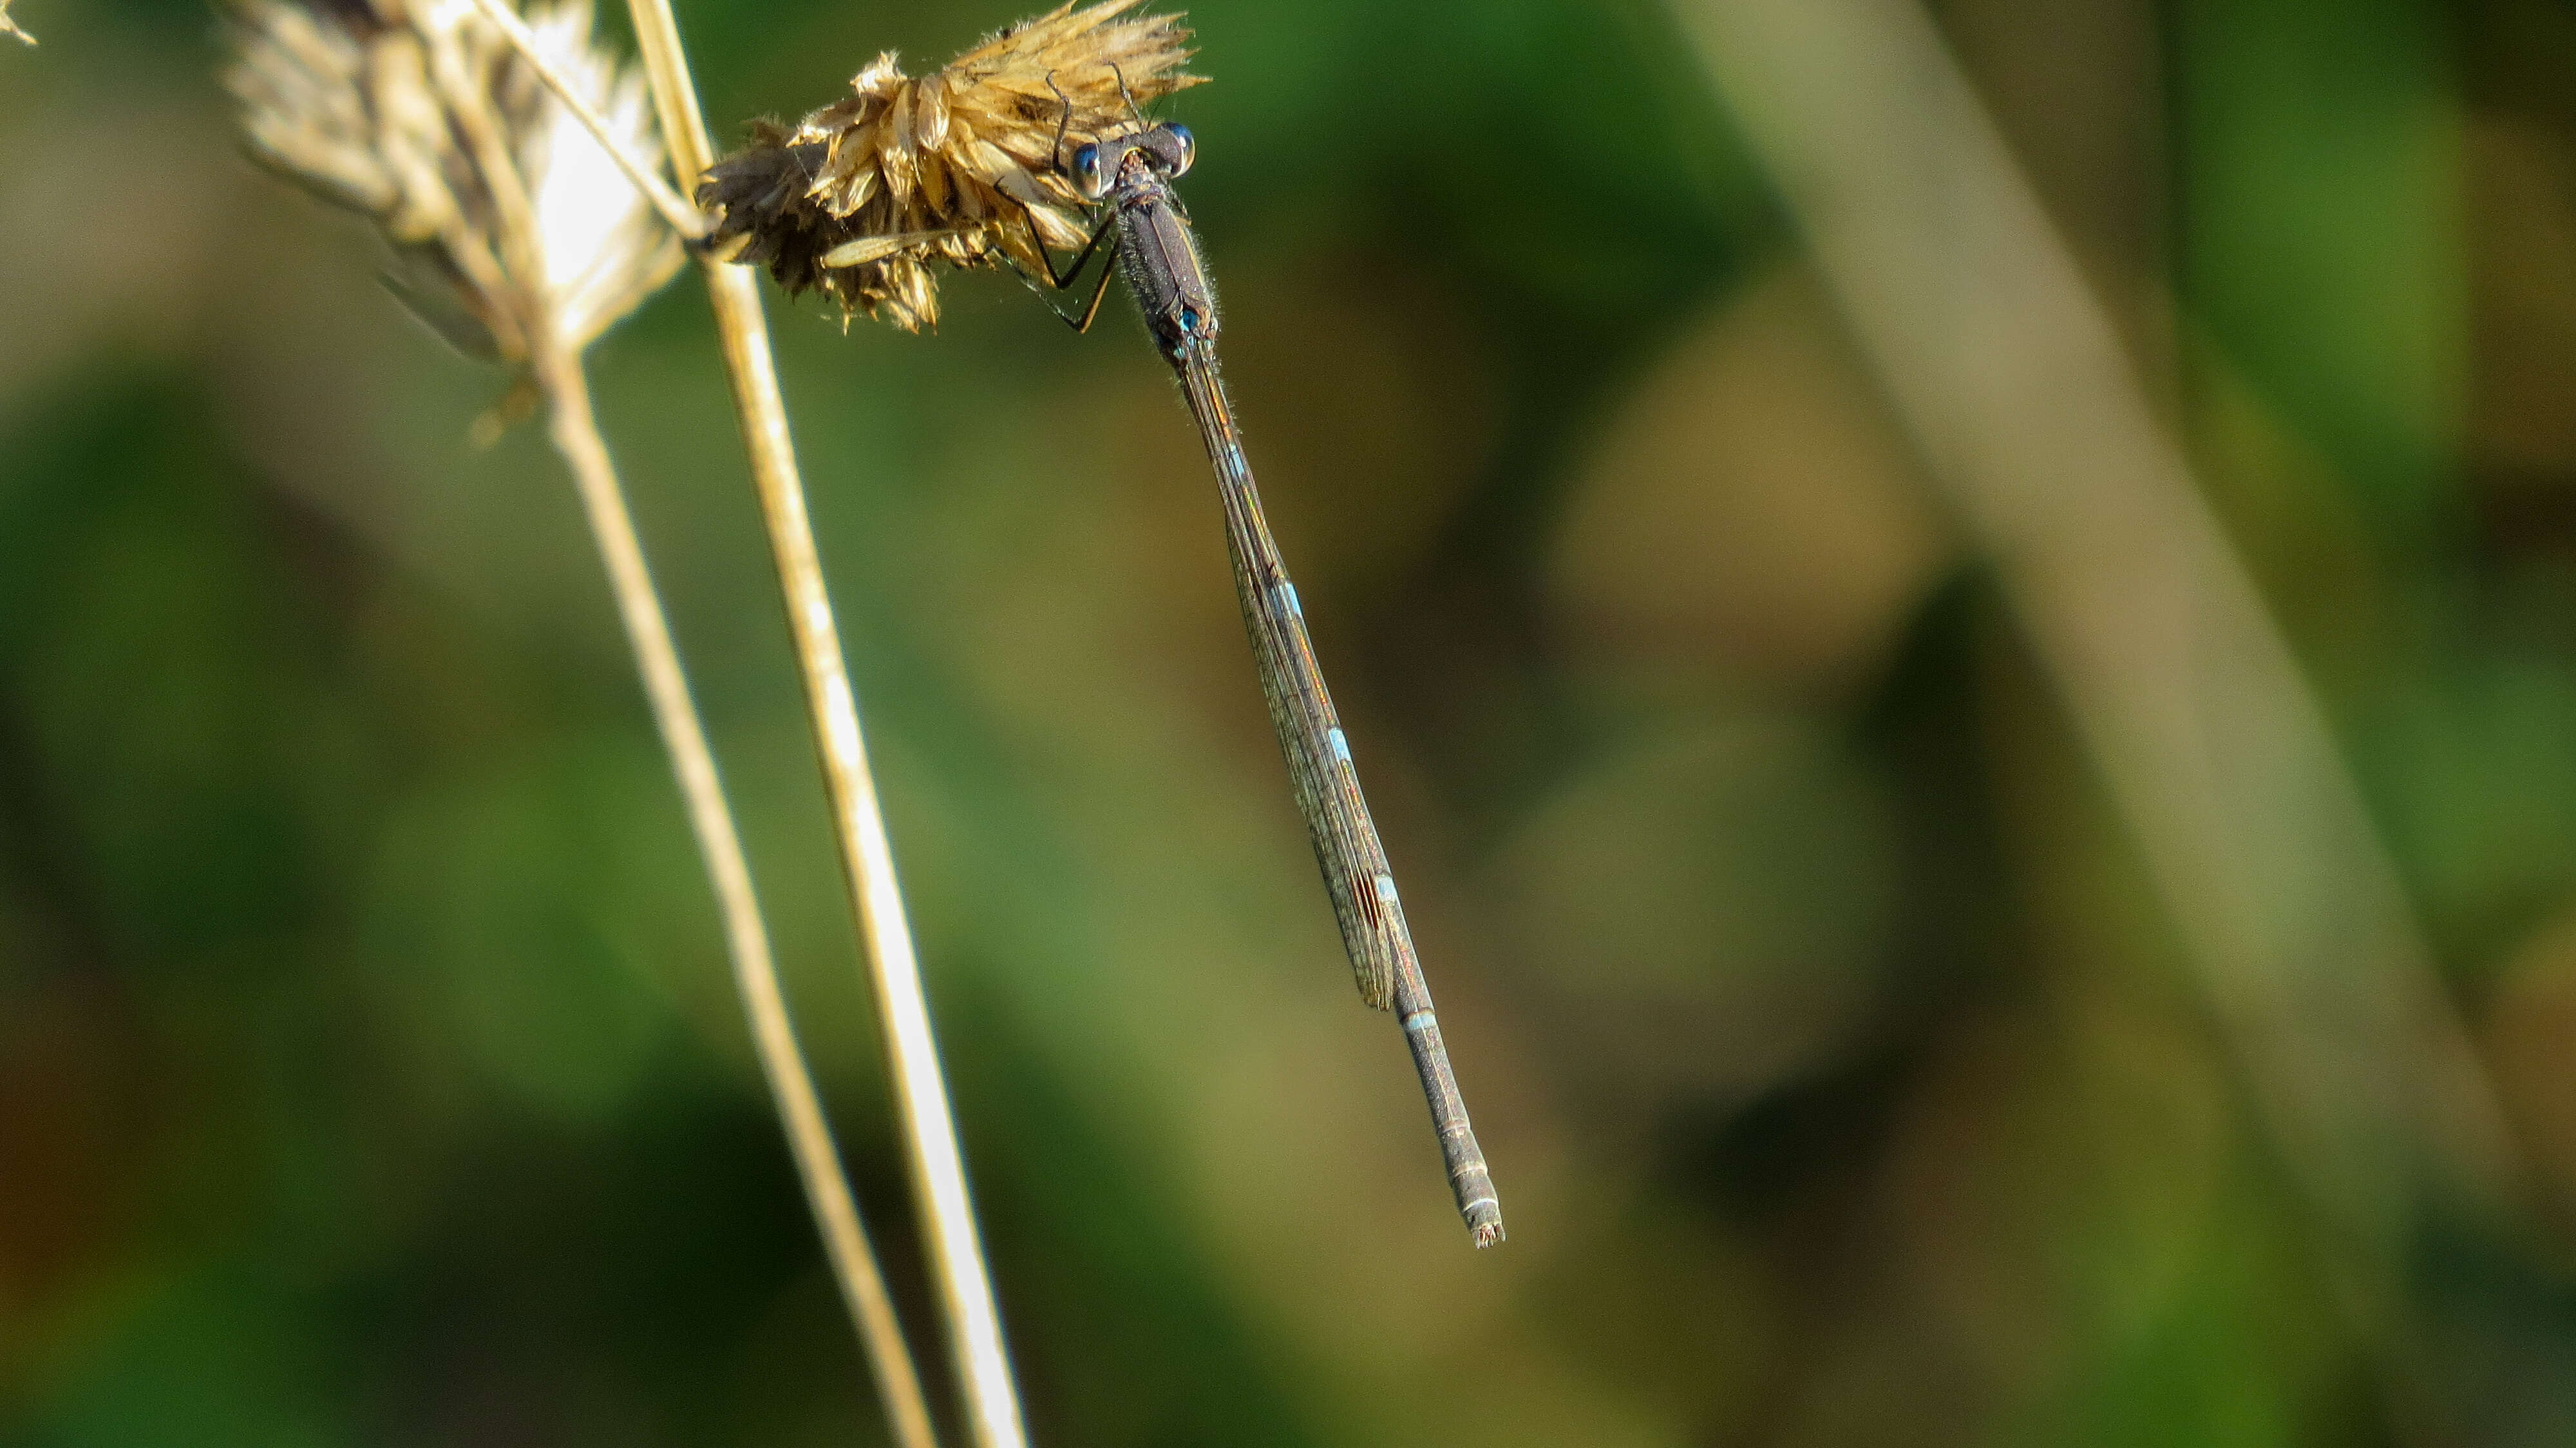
x: 684, y: 218
x: 894, y: 976
x: 800, y: 1110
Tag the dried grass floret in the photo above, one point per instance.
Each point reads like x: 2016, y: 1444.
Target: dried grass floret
x: 508, y: 222
x: 10, y: 27
x: 862, y: 198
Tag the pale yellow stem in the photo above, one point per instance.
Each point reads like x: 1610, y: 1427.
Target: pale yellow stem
x: 800, y: 1109
x: 894, y: 977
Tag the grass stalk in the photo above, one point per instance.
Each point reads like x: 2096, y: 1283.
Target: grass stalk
x: 575, y: 434
x: 418, y: 121
x: 938, y: 1170
x: 2015, y: 382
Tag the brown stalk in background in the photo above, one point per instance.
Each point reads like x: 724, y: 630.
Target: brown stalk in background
x: 2018, y: 389
x: 516, y: 236
x: 894, y: 976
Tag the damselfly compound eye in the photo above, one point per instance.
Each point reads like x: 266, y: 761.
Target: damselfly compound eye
x: 1183, y: 150
x: 1087, y: 181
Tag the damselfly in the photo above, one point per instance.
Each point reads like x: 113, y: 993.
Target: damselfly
x: 1126, y: 173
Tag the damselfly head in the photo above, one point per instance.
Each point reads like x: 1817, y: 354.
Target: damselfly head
x: 1096, y: 166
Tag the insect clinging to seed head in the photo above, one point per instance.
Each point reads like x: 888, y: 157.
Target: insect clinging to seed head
x: 980, y: 164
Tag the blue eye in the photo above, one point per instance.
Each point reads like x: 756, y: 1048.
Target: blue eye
x: 1184, y: 149
x: 1086, y: 173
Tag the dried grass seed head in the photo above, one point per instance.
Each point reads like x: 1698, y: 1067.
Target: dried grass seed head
x: 506, y: 218
x: 863, y: 197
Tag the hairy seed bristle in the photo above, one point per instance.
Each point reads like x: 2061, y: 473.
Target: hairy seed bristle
x: 861, y: 198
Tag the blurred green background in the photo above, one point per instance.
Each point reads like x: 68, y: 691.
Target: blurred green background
x: 369, y: 1066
